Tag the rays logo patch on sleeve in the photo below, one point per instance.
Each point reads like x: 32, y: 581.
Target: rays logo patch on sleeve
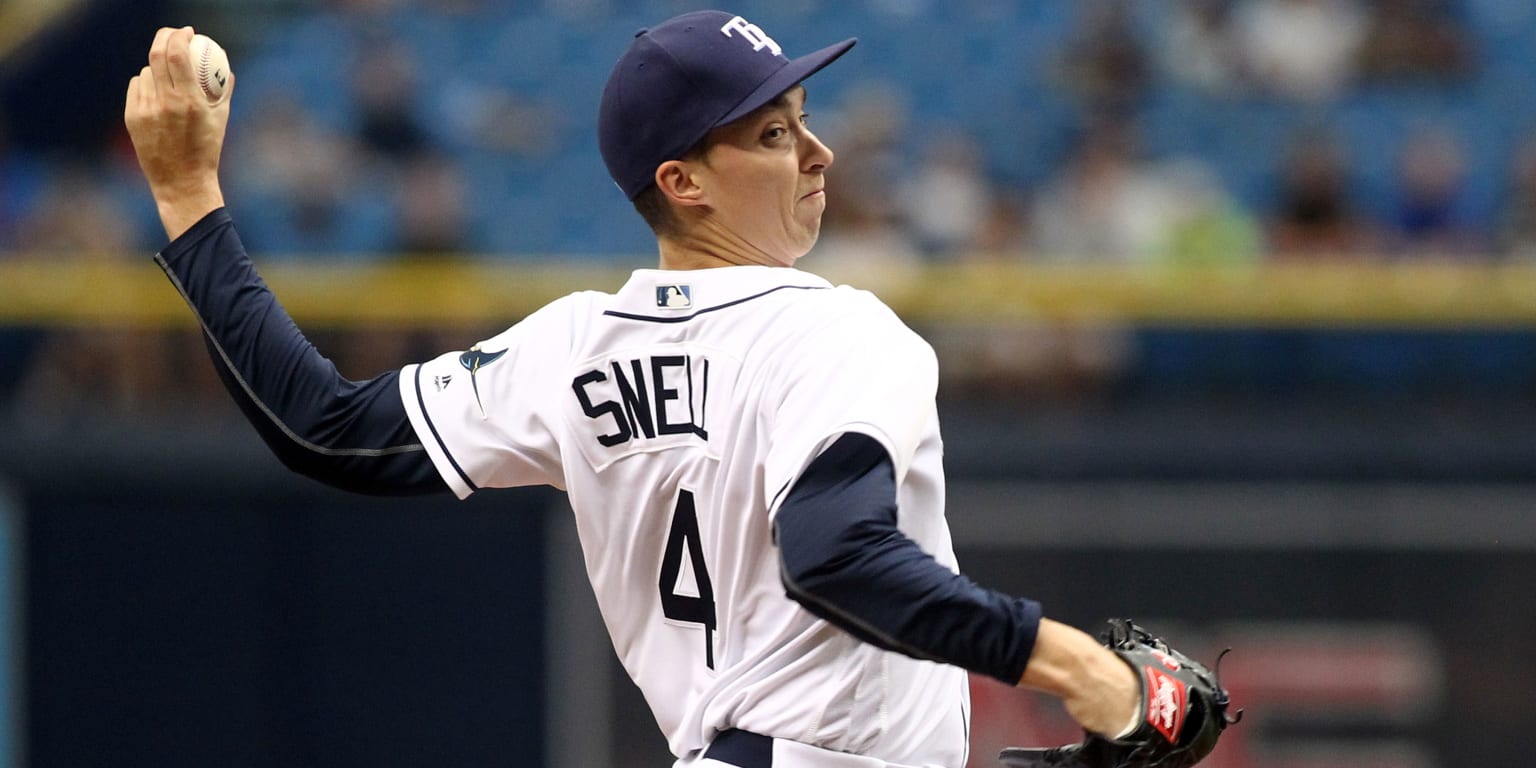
x: 473, y: 360
x: 674, y: 296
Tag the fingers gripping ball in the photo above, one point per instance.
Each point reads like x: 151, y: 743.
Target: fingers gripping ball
x: 1183, y: 712
x: 210, y: 64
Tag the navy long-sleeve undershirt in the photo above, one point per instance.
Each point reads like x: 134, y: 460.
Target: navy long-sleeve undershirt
x: 348, y: 434
x: 845, y: 560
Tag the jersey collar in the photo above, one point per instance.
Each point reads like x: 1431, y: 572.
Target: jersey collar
x: 663, y: 293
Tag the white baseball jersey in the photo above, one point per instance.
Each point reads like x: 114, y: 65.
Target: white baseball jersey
x: 676, y: 414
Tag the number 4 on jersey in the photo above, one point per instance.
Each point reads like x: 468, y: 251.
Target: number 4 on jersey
x: 681, y: 607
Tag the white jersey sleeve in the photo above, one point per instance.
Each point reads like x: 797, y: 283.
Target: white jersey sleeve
x: 882, y: 385
x: 485, y: 415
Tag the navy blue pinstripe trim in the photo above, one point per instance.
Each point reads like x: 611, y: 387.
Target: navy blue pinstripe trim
x: 422, y: 403
x: 965, y: 725
x: 780, y: 492
x: 686, y: 318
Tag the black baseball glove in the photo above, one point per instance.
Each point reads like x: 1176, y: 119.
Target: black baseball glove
x: 1183, y: 711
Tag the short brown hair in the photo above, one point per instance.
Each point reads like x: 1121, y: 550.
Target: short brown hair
x: 652, y: 206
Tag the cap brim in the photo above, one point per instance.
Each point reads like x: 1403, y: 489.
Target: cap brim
x: 786, y: 78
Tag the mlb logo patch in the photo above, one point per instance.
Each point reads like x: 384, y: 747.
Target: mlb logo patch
x: 674, y: 296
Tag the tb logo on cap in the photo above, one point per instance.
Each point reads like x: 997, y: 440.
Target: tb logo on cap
x: 753, y: 34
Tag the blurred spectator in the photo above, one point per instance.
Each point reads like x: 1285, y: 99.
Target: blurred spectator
x: 1414, y: 39
x: 298, y: 175
x: 1004, y: 233
x: 1198, y: 48
x: 1105, y: 63
x: 1301, y: 49
x: 1203, y: 225
x: 1428, y: 222
x: 865, y: 129
x: 862, y: 233
x: 947, y: 197
x: 1104, y: 205
x: 1314, y: 217
x: 383, y: 89
x: 432, y: 214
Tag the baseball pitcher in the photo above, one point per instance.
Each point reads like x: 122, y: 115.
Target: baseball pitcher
x: 753, y: 454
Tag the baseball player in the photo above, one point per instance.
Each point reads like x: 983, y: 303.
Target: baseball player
x: 752, y: 454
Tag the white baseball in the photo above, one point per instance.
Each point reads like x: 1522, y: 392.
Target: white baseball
x: 211, y: 65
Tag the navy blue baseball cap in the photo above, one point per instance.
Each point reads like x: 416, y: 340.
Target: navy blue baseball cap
x: 684, y: 77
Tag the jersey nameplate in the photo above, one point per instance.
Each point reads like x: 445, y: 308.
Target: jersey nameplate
x: 645, y: 398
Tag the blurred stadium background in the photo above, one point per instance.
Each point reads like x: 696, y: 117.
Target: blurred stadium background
x: 1236, y: 301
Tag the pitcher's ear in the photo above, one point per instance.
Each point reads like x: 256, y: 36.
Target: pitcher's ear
x: 676, y: 180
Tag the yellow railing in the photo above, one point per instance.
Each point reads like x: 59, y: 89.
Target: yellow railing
x: 477, y: 292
